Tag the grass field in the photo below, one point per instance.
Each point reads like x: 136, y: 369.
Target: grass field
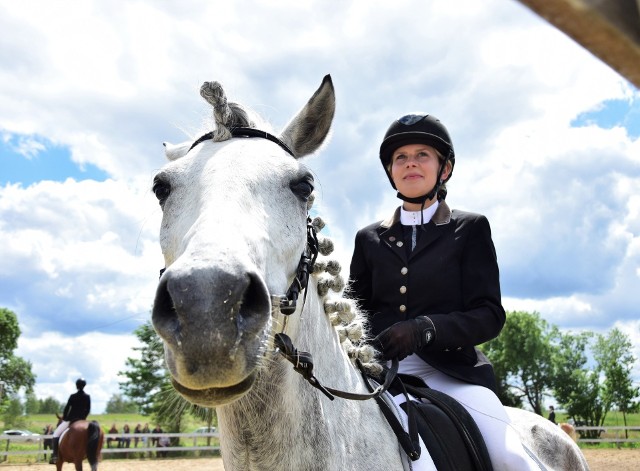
x: 613, y: 419
x: 36, y: 423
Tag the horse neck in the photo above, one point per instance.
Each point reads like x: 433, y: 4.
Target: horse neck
x: 285, y: 423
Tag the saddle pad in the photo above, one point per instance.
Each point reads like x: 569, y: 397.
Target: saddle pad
x: 64, y: 432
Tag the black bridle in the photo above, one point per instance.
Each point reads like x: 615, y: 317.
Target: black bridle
x: 288, y: 302
x: 246, y: 132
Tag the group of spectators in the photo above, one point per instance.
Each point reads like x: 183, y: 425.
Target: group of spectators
x: 124, y: 440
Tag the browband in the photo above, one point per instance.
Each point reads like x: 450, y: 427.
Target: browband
x: 246, y: 132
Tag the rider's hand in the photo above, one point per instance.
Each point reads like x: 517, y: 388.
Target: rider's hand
x: 405, y: 337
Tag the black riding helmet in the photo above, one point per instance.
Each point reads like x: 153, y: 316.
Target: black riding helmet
x: 80, y: 383
x: 417, y: 128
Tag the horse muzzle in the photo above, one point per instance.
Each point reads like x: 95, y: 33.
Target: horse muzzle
x: 213, y: 323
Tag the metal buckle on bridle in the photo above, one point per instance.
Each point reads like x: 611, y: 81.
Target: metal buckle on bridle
x: 303, y: 363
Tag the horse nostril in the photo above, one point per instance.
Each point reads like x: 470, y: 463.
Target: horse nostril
x: 164, y: 316
x: 255, y: 300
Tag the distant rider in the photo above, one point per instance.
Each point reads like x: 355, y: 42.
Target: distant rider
x: 77, y: 408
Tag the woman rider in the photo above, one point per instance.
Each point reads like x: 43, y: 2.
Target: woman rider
x: 428, y: 281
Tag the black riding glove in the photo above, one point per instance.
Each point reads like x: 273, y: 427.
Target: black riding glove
x: 406, y: 337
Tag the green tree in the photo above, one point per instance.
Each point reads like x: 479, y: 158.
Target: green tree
x: 50, y: 405
x: 146, y: 376
x: 13, y: 413
x: 118, y: 404
x: 31, y: 404
x: 577, y: 387
x: 523, y: 359
x: 15, y: 372
x: 149, y: 385
x: 615, y: 358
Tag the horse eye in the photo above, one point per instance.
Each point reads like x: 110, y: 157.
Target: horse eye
x: 302, y: 189
x: 162, y: 190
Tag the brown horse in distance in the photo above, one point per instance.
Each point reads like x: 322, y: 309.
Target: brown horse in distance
x: 83, y: 439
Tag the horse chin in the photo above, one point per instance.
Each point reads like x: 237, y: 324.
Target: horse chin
x: 213, y: 397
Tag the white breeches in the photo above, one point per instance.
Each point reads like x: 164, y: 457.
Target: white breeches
x: 64, y: 425
x: 502, y: 440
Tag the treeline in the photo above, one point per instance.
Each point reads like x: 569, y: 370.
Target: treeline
x: 586, y: 374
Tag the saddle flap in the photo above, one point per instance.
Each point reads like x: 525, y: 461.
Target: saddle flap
x: 449, y: 432
x: 442, y: 439
x: 438, y: 412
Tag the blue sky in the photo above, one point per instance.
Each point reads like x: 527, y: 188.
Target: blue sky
x: 30, y: 159
x: 88, y: 97
x: 614, y: 113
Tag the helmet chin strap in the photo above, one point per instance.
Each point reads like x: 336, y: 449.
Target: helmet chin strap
x: 421, y: 199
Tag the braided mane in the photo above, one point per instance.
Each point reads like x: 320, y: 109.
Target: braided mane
x: 344, y: 315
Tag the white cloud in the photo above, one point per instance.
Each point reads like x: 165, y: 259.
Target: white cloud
x: 58, y: 360
x: 79, y: 255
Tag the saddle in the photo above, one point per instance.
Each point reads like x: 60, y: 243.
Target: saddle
x: 450, y: 434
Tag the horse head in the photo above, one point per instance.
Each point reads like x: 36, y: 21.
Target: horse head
x: 235, y: 207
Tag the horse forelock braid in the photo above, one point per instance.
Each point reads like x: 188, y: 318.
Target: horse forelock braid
x: 226, y: 114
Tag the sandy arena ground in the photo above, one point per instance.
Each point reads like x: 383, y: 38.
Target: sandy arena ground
x: 599, y: 460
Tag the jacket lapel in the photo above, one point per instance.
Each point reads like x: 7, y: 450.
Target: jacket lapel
x: 434, y: 229
x: 390, y: 233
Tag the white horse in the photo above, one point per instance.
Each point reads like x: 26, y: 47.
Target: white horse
x: 235, y: 224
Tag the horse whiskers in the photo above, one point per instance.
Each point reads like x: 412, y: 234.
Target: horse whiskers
x: 173, y: 402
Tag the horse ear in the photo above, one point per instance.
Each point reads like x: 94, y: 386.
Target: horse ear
x: 306, y: 132
x: 175, y: 151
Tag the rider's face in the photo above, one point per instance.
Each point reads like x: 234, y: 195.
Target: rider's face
x: 414, y: 169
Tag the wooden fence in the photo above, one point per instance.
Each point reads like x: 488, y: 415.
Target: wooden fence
x: 119, y: 445
x: 617, y: 435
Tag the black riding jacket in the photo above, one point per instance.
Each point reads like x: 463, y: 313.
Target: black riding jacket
x: 78, y: 407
